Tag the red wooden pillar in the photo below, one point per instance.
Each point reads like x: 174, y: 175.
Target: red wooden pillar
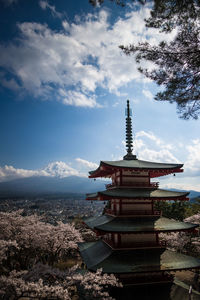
x: 157, y: 238
x: 120, y: 206
x: 114, y: 206
x: 120, y: 177
x: 119, y: 240
x: 112, y: 239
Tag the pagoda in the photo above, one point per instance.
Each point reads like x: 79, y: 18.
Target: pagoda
x: 129, y: 245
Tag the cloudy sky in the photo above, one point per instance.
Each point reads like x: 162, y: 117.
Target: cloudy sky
x: 64, y: 83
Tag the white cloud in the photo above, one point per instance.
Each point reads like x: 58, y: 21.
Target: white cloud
x: 152, y: 148
x: 54, y: 169
x: 192, y: 163
x: 80, y: 58
x: 60, y: 169
x: 45, y: 5
x: 66, y: 25
x: 147, y: 94
x: 77, y: 99
x: 162, y: 155
x: 184, y: 185
x: 9, y: 83
x: 148, y: 146
x: 87, y: 164
x: 138, y: 144
x: 9, y: 173
x: 156, y: 140
x: 150, y: 136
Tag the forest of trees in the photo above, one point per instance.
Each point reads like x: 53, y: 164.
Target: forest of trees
x: 178, y: 210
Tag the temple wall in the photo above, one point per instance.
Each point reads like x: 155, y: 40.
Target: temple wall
x: 140, y: 173
x: 134, y: 179
x: 127, y: 239
x: 135, y: 200
x: 127, y: 207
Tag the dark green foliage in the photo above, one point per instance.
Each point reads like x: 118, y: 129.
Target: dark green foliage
x: 192, y: 208
x: 177, y: 63
x: 178, y: 210
x: 174, y: 210
x: 168, y: 14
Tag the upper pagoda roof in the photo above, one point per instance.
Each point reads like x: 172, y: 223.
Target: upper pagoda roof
x: 107, y: 168
x: 137, y: 193
x: 137, y: 224
x: 98, y: 255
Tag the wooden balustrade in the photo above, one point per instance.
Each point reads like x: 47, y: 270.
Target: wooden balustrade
x: 134, y: 185
x: 133, y: 212
x: 133, y: 245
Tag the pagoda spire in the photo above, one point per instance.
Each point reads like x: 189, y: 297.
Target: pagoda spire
x: 129, y: 137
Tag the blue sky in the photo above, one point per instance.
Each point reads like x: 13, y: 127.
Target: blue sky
x: 64, y: 83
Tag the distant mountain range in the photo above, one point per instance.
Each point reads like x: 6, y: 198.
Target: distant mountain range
x: 37, y: 185
x: 193, y: 194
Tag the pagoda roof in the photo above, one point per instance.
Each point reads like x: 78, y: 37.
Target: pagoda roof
x: 136, y: 224
x: 98, y: 255
x: 106, y: 168
x: 136, y: 193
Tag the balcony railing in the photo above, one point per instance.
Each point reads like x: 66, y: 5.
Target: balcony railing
x: 134, y: 245
x: 133, y: 212
x: 133, y: 185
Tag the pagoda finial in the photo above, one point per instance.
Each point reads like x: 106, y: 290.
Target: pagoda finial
x: 129, y: 137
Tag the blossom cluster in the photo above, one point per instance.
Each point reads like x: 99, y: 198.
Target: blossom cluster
x: 33, y: 239
x: 184, y: 241
x: 29, y: 248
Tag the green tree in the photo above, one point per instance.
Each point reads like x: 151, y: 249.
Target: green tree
x: 177, y: 63
x: 192, y: 208
x: 174, y: 210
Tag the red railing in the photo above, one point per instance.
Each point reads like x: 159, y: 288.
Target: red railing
x: 133, y: 212
x: 134, y: 244
x: 134, y: 184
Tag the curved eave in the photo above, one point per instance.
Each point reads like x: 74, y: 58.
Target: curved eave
x: 157, y: 194
x: 107, y: 168
x: 104, y: 224
x: 98, y: 255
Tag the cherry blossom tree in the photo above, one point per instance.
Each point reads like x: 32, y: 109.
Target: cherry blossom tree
x: 195, y: 241
x: 184, y: 241
x: 29, y: 248
x: 178, y: 241
x: 15, y: 287
x: 44, y: 282
x: 32, y: 240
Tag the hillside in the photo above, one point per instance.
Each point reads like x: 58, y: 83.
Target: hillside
x: 48, y: 185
